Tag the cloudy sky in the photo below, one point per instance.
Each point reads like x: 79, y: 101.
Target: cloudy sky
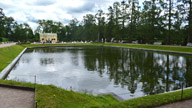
x: 29, y: 11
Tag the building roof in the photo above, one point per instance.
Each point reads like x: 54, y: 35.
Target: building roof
x: 48, y: 34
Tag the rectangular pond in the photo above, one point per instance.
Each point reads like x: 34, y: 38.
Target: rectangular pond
x: 96, y: 70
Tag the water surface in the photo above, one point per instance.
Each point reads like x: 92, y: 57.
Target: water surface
x: 94, y: 70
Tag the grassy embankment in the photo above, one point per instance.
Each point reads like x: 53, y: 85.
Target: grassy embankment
x: 152, y: 100
x: 183, y: 49
x: 7, y: 54
x: 51, y: 96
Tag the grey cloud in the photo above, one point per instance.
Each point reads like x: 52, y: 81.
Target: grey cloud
x: 16, y: 8
x: 5, y: 6
x: 30, y: 18
x: 86, y: 7
x: 44, y: 2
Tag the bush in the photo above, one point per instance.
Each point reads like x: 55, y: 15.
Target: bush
x: 1, y: 39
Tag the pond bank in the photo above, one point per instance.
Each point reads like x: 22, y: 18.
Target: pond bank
x: 83, y: 101
x: 7, y: 70
x: 50, y: 96
x: 158, y: 48
x: 166, y: 48
x: 8, y: 54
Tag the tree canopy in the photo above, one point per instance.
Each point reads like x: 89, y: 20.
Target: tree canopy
x: 163, y: 21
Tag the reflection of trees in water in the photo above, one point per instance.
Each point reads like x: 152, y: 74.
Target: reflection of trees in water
x: 46, y: 61
x: 25, y: 60
x: 188, y: 73
x: 157, y: 72
x: 49, y: 50
x: 74, y: 57
x: 52, y: 49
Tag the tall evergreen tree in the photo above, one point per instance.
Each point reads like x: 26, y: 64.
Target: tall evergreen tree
x: 101, y: 24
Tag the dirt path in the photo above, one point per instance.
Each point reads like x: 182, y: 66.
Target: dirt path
x: 181, y: 104
x: 16, y: 98
x: 6, y: 45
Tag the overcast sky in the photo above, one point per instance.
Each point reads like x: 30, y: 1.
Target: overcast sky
x: 29, y: 11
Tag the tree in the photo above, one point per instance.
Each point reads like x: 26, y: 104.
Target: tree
x: 72, y: 29
x: 22, y: 32
x: 169, y: 24
x: 2, y: 19
x: 158, y: 20
x: 36, y: 37
x: 133, y: 18
x: 9, y: 22
x: 188, y: 7
x: 110, y: 24
x: 89, y: 27
x: 151, y: 20
x: 124, y: 17
x: 100, y: 23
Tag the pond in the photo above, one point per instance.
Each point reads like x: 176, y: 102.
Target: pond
x: 96, y: 70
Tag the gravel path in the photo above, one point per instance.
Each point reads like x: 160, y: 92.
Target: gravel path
x: 16, y: 98
x: 6, y: 45
x: 181, y: 104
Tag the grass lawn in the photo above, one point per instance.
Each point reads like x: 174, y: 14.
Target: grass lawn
x: 154, y: 47
x: 7, y: 54
x: 54, y: 97
x: 152, y: 100
x: 49, y: 96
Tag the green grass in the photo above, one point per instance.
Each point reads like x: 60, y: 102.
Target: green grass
x: 51, y: 96
x: 7, y: 54
x: 152, y: 100
x: 154, y: 47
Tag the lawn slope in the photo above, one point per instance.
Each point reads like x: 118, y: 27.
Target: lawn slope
x: 7, y: 54
x: 182, y: 49
x: 49, y: 96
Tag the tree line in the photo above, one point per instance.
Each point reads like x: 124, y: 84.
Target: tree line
x: 163, y: 21
x: 13, y: 31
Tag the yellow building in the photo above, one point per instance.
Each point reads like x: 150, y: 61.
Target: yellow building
x: 48, y: 37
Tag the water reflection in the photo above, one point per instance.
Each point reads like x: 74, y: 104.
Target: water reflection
x: 46, y: 61
x: 128, y: 73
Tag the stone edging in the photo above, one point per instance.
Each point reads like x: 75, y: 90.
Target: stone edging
x: 17, y: 87
x: 114, y: 95
x: 153, y: 50
x: 7, y: 70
